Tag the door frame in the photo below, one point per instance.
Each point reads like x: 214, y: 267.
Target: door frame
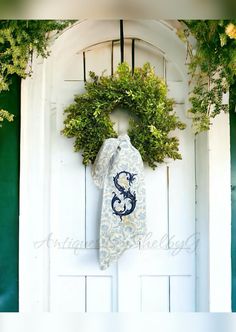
x: 212, y: 280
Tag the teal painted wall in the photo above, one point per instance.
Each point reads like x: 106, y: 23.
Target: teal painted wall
x: 9, y: 199
x: 233, y: 190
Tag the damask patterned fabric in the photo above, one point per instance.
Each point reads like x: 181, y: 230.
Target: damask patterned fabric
x: 118, y: 170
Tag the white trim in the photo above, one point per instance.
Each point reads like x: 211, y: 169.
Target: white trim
x: 202, y: 218
x: 213, y: 214
x: 219, y: 215
x: 33, y: 270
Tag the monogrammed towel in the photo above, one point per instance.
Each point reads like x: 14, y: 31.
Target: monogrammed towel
x: 118, y: 170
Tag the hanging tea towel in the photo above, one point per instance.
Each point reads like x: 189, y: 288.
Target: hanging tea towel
x: 118, y: 170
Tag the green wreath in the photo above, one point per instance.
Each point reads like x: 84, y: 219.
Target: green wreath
x: 145, y: 96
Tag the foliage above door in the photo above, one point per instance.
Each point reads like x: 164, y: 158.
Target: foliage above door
x: 18, y: 40
x: 212, y: 66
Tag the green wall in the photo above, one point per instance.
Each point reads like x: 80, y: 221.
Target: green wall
x: 233, y: 190
x: 9, y: 199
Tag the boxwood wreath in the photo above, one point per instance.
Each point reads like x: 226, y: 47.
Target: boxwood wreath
x: 144, y: 95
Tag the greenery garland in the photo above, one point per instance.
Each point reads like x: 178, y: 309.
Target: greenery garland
x: 212, y: 66
x: 144, y: 95
x: 4, y: 115
x: 18, y: 40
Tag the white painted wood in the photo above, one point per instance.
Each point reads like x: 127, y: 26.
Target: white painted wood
x: 165, y: 262
x: 66, y: 181
x: 98, y: 59
x: 155, y: 293
x: 173, y: 74
x: 182, y: 185
x: 127, y: 51
x: 156, y: 195
x: 148, y: 53
x: 202, y: 217
x: 151, y: 263
x: 180, y: 290
x: 94, y: 200
x: 33, y: 267
x: 129, y: 291
x: 176, y: 91
x: 99, y: 294
x: 71, y: 70
x: 72, y: 204
x: 156, y: 207
x: 67, y: 291
x: 219, y: 215
x: 213, y: 213
x: 161, y: 36
x: 79, y: 262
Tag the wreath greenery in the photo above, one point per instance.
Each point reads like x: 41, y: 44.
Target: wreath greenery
x: 144, y: 95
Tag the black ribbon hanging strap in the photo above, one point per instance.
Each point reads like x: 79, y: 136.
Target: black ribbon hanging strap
x: 121, y: 41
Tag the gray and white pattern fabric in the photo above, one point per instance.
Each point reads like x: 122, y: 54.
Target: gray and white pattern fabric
x: 118, y: 171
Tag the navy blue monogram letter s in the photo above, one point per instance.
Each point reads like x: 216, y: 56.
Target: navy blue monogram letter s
x: 128, y: 197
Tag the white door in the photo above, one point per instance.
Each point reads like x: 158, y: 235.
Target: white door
x: 160, y: 275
